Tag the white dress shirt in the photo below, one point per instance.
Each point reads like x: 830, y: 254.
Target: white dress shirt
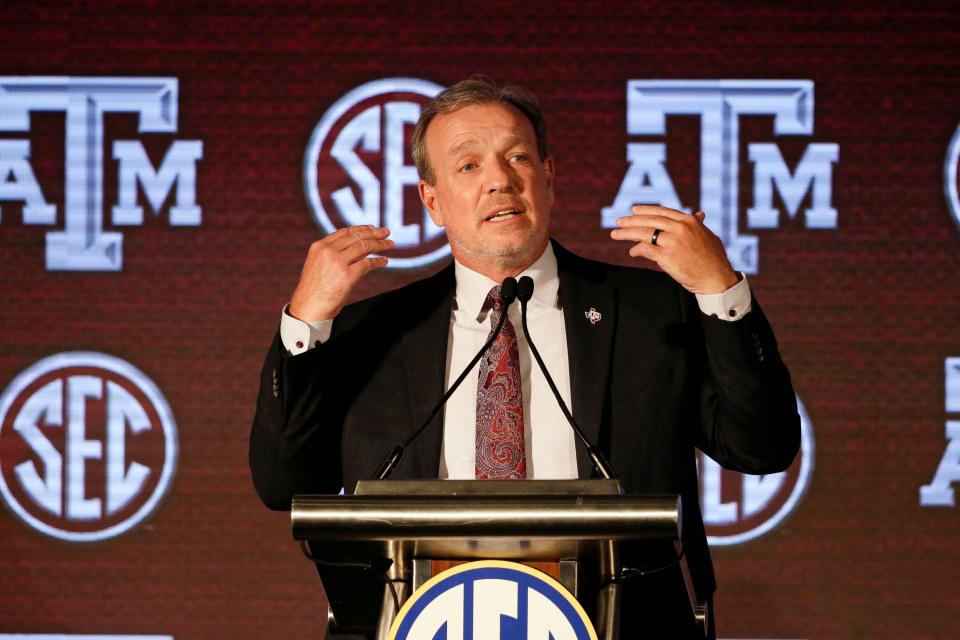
x: 550, y: 446
x: 550, y: 442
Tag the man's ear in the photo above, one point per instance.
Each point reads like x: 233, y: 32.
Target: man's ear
x: 428, y: 196
x: 549, y: 169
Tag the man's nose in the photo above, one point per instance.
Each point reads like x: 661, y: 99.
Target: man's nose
x: 500, y: 176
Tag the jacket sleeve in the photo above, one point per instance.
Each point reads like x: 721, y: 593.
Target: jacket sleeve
x: 748, y: 420
x: 295, y: 437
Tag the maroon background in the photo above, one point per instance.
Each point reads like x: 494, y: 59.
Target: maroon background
x: 865, y: 313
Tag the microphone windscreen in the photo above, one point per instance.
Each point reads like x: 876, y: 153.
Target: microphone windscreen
x: 525, y: 289
x: 508, y: 291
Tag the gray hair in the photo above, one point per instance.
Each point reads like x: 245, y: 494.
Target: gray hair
x: 476, y: 90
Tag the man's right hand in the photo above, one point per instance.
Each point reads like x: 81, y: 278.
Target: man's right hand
x: 334, y: 265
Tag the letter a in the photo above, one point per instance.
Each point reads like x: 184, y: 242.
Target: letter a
x: 939, y: 493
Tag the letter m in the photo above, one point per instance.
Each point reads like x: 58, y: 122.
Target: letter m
x: 814, y: 173
x: 179, y: 167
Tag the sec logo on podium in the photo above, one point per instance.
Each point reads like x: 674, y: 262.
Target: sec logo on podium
x: 492, y: 600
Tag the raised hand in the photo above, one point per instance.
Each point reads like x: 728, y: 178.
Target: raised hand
x: 333, y: 266
x: 680, y: 244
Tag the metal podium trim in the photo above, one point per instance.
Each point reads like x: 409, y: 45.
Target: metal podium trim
x: 387, y: 527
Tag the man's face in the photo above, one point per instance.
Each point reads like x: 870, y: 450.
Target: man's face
x: 492, y: 192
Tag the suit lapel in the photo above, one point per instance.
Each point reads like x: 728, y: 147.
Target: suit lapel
x: 425, y: 363
x: 589, y: 315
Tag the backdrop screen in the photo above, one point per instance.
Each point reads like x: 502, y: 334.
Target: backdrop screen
x: 164, y: 168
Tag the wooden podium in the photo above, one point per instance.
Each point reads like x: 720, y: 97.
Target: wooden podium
x: 376, y: 547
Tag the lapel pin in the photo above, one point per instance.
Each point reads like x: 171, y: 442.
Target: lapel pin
x: 593, y: 315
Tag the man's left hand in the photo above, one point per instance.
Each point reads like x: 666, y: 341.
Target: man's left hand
x: 685, y: 248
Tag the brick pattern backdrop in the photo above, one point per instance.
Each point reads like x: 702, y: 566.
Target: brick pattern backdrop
x: 865, y: 313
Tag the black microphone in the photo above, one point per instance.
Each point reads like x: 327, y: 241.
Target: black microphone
x: 600, y: 464
x: 508, y: 293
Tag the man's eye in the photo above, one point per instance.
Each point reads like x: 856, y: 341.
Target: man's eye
x: 520, y: 157
x: 469, y: 166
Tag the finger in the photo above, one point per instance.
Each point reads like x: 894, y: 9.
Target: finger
x: 363, y: 248
x: 646, y: 250
x: 340, y: 233
x: 363, y: 267
x: 347, y: 236
x: 700, y: 215
x: 651, y: 220
x: 652, y: 209
x: 352, y: 235
x: 636, y: 234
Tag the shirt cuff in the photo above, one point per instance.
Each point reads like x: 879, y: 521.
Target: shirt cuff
x: 732, y: 304
x: 299, y: 336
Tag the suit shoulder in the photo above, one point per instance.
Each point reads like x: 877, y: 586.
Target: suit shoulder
x: 639, y: 292
x: 620, y: 276
x: 388, y: 305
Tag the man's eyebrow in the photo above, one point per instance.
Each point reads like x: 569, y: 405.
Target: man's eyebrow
x: 466, y: 145
x: 460, y: 147
x: 515, y: 141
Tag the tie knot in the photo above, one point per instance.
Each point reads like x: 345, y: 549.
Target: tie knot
x: 496, y: 304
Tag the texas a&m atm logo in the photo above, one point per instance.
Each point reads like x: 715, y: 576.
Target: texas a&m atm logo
x: 492, y: 600
x: 88, y: 446
x: 720, y: 105
x: 356, y: 169
x: 85, y: 241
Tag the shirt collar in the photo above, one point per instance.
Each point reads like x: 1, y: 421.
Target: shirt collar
x: 473, y: 287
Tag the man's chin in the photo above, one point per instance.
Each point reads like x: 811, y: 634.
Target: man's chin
x: 516, y: 252
x: 510, y: 245
x: 509, y: 253
x: 506, y: 251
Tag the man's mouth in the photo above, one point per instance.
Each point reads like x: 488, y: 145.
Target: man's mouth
x: 503, y: 214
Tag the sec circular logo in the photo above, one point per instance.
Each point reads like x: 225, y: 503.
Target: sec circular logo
x: 951, y: 177
x: 739, y: 507
x: 495, y: 600
x: 88, y: 446
x: 357, y: 169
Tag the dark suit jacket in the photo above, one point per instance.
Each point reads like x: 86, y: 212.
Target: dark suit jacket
x: 650, y: 381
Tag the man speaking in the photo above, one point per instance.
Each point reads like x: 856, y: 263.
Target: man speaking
x: 651, y: 364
